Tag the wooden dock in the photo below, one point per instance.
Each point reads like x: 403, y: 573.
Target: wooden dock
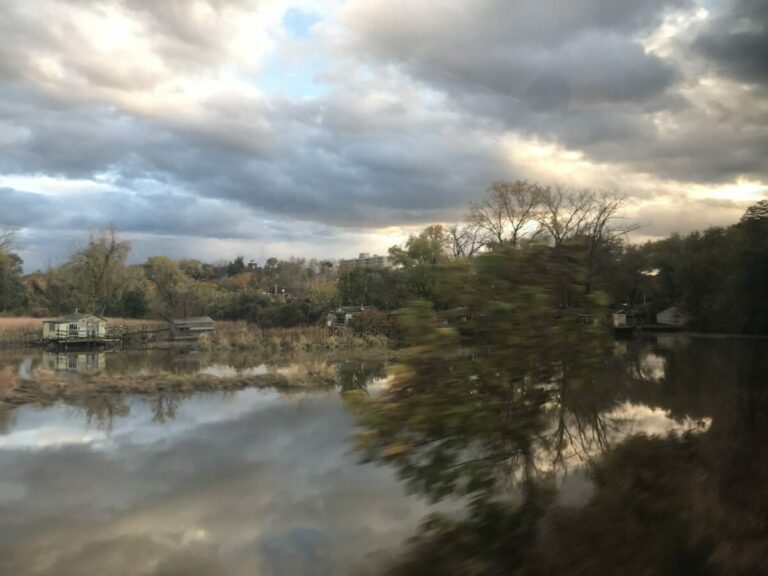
x: 79, y: 343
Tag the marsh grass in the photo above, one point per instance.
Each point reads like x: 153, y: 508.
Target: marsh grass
x: 229, y: 335
x: 245, y: 336
x: 47, y: 386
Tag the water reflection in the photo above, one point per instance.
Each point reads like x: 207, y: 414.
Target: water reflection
x: 353, y: 373
x: 257, y: 482
x: 248, y: 483
x: 103, y: 403
x: 671, y: 435
x: 77, y: 362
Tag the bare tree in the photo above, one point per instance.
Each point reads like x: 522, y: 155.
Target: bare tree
x: 466, y: 240
x: 564, y: 213
x: 604, y: 229
x: 6, y: 239
x: 593, y: 218
x: 507, y: 213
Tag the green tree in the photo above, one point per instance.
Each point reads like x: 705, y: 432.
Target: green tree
x: 467, y: 403
x: 176, y: 294
x: 420, y: 257
x: 236, y: 266
x: 135, y: 303
x: 12, y: 294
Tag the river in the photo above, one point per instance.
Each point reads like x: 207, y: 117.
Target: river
x: 262, y: 482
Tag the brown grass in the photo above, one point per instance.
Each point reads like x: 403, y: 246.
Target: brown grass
x: 19, y: 329
x: 229, y: 335
x: 45, y: 389
x: 244, y: 336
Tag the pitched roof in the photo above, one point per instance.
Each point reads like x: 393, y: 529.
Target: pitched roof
x: 75, y: 317
x: 193, y: 320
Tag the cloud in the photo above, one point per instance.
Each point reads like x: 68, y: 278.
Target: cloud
x: 255, y: 483
x: 305, y: 120
x: 737, y: 42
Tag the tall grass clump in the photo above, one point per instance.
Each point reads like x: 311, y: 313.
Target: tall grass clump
x: 244, y: 336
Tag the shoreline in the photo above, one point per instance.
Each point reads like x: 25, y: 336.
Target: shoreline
x: 316, y: 371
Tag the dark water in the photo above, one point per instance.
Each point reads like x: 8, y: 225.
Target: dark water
x: 256, y: 482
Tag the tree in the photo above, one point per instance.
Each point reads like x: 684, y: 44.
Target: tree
x: 752, y: 257
x: 236, y: 266
x: 176, y: 295
x: 466, y: 240
x: 381, y: 287
x: 321, y: 297
x: 12, y: 295
x: 99, y: 269
x: 466, y: 407
x: 507, y: 213
x: 6, y: 239
x: 135, y: 303
x: 564, y: 213
x: 418, y: 259
x: 430, y: 246
x: 587, y: 217
x: 757, y: 213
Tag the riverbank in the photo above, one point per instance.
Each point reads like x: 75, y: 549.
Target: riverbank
x: 229, y: 336
x: 31, y: 377
x: 15, y: 391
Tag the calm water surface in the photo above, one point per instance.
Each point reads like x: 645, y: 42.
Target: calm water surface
x: 258, y: 482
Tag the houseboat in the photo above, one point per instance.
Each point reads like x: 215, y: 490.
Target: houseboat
x: 77, y: 329
x: 624, y: 322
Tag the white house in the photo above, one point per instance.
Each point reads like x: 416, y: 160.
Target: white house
x: 75, y: 326
x: 672, y: 316
x: 623, y: 320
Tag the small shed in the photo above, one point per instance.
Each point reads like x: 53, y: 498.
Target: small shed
x: 672, y: 316
x: 76, y: 326
x: 624, y: 319
x: 191, y: 328
x: 344, y: 314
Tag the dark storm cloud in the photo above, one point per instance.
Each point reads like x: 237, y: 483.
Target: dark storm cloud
x: 331, y: 163
x: 410, y: 125
x: 585, y: 51
x: 577, y: 73
x: 737, y: 42
x: 19, y: 209
x: 154, y: 213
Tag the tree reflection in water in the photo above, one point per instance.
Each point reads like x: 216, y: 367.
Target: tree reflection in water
x: 501, y: 431
x: 102, y: 409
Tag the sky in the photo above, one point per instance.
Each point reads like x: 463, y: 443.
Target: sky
x: 312, y: 128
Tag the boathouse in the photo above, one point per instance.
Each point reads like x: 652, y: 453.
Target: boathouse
x: 672, y: 316
x: 75, y: 327
x: 624, y: 320
x: 191, y: 328
x: 344, y: 314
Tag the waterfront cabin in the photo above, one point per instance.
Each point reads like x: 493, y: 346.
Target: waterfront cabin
x: 76, y: 327
x: 344, y: 315
x: 672, y: 316
x: 623, y: 321
x: 191, y: 328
